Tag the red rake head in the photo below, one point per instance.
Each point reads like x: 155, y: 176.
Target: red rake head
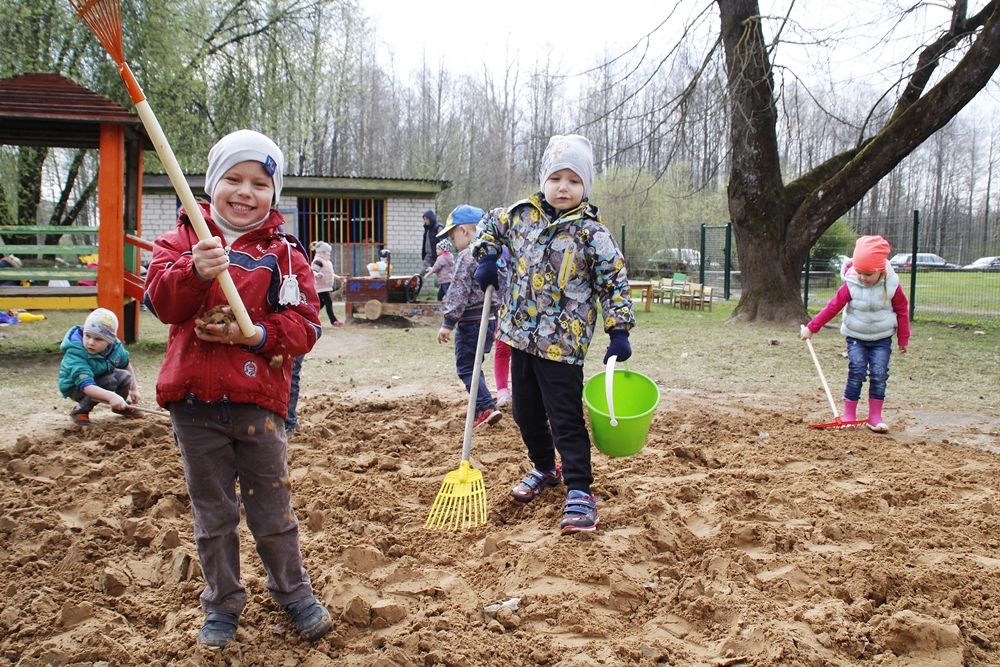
x: 103, y: 17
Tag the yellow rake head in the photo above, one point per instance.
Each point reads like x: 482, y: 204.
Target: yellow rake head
x: 461, y: 502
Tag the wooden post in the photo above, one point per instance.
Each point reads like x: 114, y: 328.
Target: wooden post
x: 111, y: 234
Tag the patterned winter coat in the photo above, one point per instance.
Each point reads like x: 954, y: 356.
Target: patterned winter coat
x: 560, y: 268
x: 464, y: 300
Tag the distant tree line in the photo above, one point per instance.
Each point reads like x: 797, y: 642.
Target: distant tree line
x: 313, y: 75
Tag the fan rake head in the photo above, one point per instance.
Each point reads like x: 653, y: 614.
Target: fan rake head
x: 461, y: 502
x: 103, y: 17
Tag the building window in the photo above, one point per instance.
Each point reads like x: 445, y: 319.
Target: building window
x: 354, y: 227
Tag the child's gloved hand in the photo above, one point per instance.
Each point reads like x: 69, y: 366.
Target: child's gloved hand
x: 619, y: 345
x: 804, y: 332
x: 486, y: 272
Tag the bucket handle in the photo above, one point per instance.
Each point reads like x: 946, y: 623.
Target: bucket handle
x: 609, y: 381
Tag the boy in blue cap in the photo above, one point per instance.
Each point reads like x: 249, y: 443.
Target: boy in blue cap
x: 563, y: 261
x: 463, y: 310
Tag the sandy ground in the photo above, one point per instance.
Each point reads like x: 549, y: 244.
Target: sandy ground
x: 737, y: 536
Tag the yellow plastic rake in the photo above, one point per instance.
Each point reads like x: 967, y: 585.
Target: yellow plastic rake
x: 461, y: 502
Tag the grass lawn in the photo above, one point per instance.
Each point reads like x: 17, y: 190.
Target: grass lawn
x: 948, y: 367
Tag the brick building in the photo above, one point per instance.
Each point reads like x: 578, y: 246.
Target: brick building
x: 357, y: 216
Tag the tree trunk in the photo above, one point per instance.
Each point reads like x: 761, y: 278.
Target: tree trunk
x: 29, y: 192
x: 769, y: 276
x: 769, y: 272
x: 777, y: 224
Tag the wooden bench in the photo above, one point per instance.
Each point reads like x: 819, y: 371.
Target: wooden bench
x: 42, y: 296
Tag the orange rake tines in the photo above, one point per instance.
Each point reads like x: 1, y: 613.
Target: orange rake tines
x: 837, y: 421
x: 103, y: 17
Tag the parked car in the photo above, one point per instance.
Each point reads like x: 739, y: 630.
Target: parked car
x: 836, y: 262
x: 669, y: 260
x: 925, y: 260
x: 984, y: 264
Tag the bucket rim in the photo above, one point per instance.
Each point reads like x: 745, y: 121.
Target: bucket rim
x: 656, y: 402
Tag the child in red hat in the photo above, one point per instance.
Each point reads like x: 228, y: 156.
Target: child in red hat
x: 874, y: 308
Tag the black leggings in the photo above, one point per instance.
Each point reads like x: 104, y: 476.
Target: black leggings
x: 326, y: 301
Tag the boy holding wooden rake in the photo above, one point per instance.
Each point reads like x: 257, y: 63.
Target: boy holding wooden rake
x: 227, y: 393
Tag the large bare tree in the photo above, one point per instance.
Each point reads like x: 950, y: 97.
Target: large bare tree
x: 775, y: 222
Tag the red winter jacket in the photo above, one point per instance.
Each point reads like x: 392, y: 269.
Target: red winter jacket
x: 211, y: 372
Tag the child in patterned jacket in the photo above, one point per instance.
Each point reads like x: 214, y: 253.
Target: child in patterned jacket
x: 563, y: 261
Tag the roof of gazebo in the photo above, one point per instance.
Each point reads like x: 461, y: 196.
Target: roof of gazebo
x: 50, y: 110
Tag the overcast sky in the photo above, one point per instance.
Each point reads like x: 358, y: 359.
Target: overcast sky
x: 463, y: 35
x: 467, y: 34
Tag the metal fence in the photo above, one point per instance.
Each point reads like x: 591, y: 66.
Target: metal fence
x: 943, y: 287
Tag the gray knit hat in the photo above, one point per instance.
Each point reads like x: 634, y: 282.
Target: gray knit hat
x: 102, y: 323
x: 240, y: 146
x: 568, y: 151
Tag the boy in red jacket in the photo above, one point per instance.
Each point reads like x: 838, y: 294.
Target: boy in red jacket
x: 228, y: 394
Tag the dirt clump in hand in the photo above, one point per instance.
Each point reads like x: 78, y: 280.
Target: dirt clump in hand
x: 217, y: 315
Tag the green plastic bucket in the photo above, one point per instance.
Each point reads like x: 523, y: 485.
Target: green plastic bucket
x: 634, y: 398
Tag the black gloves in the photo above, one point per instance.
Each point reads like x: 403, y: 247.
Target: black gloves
x: 619, y: 345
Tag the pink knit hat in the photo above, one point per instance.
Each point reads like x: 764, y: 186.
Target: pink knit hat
x: 870, y: 253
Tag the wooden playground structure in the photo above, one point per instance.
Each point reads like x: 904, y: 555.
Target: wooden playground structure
x: 52, y: 111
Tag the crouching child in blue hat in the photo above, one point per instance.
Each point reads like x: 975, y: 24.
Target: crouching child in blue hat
x: 96, y: 368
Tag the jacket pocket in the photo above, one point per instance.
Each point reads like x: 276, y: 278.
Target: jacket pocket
x: 567, y: 267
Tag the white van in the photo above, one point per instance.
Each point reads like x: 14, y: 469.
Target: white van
x: 668, y: 260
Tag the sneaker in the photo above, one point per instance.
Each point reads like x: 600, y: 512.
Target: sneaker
x: 488, y: 416
x: 579, y: 512
x: 129, y: 412
x: 880, y: 427
x: 310, y: 617
x: 337, y: 323
x: 80, y: 418
x: 218, y: 630
x: 534, y: 483
x: 503, y: 398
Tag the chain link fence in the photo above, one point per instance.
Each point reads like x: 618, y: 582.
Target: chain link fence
x: 957, y: 278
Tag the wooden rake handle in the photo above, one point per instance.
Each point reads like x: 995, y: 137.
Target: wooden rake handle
x: 822, y: 378
x: 183, y: 191
x: 477, y: 367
